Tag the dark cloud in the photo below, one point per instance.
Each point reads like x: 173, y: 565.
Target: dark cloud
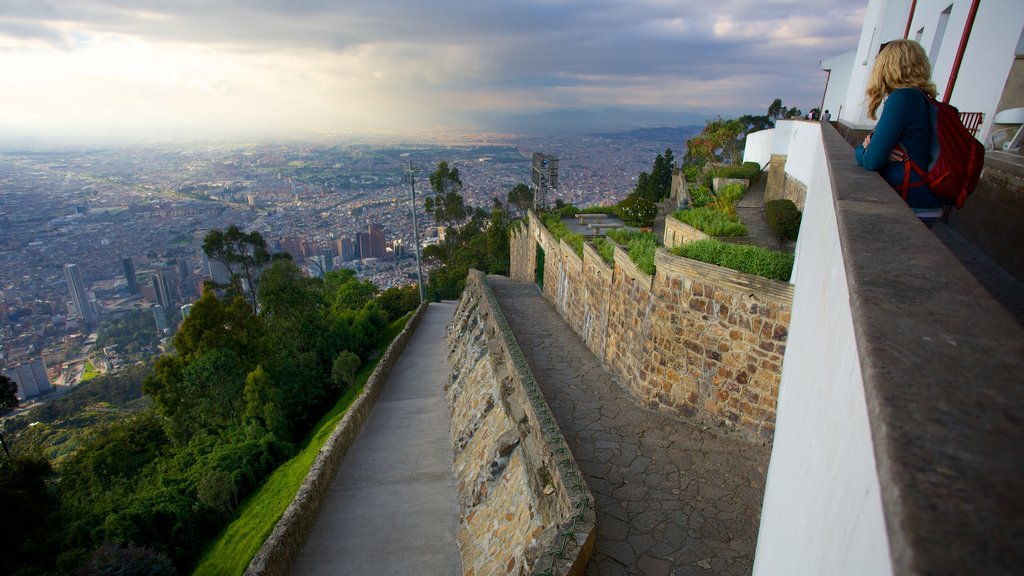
x: 544, y: 45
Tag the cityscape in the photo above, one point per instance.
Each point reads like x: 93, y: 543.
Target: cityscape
x: 88, y: 235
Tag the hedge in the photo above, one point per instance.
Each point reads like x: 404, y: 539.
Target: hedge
x: 560, y: 230
x: 784, y: 218
x: 640, y: 246
x: 711, y: 221
x: 750, y: 259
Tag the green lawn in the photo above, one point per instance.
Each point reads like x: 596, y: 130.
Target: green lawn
x: 90, y: 371
x: 236, y: 546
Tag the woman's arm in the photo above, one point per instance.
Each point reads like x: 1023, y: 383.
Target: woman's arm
x: 887, y: 133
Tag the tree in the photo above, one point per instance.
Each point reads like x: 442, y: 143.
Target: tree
x: 242, y: 255
x: 521, y: 197
x: 8, y: 402
x: 343, y: 373
x: 775, y: 109
x: 719, y: 141
x: 447, y: 204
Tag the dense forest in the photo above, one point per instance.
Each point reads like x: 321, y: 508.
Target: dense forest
x: 149, y: 482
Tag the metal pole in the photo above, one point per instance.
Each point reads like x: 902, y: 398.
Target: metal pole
x: 416, y: 234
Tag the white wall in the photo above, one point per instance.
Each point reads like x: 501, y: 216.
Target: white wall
x: 759, y: 147
x: 983, y: 71
x: 988, y: 57
x: 822, y: 511
x: 841, y: 67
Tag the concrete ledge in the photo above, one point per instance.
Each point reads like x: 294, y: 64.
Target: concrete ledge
x: 281, y: 548
x: 942, y: 366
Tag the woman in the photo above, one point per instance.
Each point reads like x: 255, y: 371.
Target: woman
x: 902, y: 77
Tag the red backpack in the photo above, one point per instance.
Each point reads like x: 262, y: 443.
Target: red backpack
x: 957, y: 158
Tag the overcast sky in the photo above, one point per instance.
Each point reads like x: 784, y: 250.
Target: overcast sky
x: 130, y: 67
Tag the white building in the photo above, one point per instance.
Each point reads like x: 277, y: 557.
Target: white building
x: 31, y: 378
x: 976, y: 50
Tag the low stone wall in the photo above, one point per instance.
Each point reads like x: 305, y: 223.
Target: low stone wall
x: 285, y: 542
x: 695, y: 340
x: 677, y: 233
x: 523, y: 505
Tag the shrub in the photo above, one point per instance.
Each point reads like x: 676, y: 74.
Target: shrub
x: 606, y: 248
x: 728, y: 197
x: 567, y: 211
x: 747, y: 170
x: 783, y: 218
x: 711, y: 221
x: 635, y: 210
x: 560, y: 230
x: 700, y: 195
x: 750, y: 259
x: 640, y: 245
x: 610, y: 210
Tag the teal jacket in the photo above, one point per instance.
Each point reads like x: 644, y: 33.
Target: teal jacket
x: 906, y: 119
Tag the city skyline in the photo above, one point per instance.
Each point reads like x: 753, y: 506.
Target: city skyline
x: 102, y: 68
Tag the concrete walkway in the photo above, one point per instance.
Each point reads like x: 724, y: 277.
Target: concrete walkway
x: 392, y: 508
x: 671, y: 497
x: 750, y: 209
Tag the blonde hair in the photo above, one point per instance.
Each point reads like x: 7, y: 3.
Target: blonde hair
x: 899, y: 64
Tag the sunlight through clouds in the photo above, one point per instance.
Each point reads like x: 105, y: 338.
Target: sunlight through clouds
x: 238, y: 66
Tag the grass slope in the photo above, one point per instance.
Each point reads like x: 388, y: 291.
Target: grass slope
x: 236, y: 546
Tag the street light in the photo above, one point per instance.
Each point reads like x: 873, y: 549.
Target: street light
x: 416, y: 231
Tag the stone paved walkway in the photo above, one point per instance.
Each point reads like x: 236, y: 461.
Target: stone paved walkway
x: 672, y: 498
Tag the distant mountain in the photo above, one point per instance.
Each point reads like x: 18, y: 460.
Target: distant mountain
x: 596, y: 121
x: 660, y: 133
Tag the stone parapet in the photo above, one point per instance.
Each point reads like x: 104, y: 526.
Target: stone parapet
x: 678, y: 233
x: 694, y: 340
x: 524, y: 507
x: 285, y: 542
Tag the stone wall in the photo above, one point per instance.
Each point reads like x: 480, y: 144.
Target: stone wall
x: 523, y: 506
x: 716, y: 341
x: 286, y: 540
x: 991, y: 217
x: 781, y: 184
x: 523, y: 253
x: 677, y: 233
x: 694, y: 340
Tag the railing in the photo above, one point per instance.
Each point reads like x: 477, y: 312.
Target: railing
x: 972, y: 121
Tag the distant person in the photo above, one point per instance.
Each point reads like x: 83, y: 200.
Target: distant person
x: 902, y: 78
x: 826, y: 116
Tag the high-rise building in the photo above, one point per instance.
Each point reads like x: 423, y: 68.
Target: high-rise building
x: 328, y: 257
x: 129, y: 275
x: 30, y: 377
x: 163, y: 290
x: 160, y: 317
x: 347, y: 249
x: 380, y: 246
x: 79, y: 295
x: 186, y: 309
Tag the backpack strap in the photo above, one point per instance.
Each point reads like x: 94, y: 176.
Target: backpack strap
x: 908, y: 165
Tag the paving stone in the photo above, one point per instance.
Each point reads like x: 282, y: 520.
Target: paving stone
x: 671, y: 486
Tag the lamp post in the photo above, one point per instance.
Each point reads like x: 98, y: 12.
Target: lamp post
x: 416, y: 232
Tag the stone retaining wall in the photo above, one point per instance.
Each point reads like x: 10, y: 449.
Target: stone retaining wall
x: 695, y: 340
x: 285, y: 542
x: 677, y: 233
x: 781, y: 184
x: 524, y: 507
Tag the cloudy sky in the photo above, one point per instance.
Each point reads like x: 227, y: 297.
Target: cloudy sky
x: 131, y: 67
